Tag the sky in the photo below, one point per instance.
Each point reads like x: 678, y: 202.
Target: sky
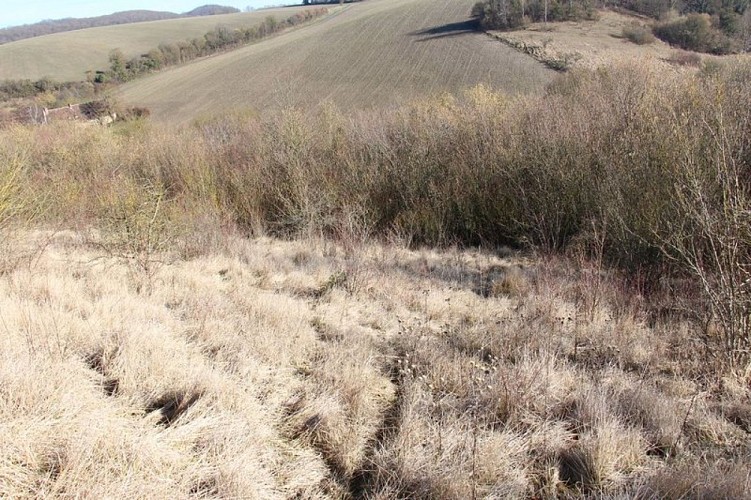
x: 17, y: 12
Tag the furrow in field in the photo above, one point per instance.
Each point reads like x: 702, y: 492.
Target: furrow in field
x: 371, y: 54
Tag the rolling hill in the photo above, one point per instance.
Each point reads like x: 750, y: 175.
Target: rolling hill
x: 50, y: 26
x: 369, y: 54
x: 67, y: 56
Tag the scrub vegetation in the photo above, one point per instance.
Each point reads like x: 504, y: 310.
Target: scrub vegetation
x: 484, y: 295
x: 421, y: 266
x: 720, y: 27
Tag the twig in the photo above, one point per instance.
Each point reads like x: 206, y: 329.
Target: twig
x: 685, y: 420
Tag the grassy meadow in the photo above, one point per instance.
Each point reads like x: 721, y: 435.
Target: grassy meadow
x: 67, y: 56
x: 480, y: 295
x: 612, y: 36
x: 370, y: 55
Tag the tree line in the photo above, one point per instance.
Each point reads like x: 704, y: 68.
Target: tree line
x: 510, y: 14
x: 49, y: 26
x: 26, y: 88
x: 713, y: 26
x: 122, y: 69
x: 221, y: 38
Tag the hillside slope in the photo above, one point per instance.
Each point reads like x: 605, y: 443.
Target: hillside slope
x: 50, y: 26
x: 370, y: 54
x: 67, y: 56
x: 244, y: 373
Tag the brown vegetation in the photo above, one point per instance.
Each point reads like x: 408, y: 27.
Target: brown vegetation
x: 638, y: 34
x: 612, y: 37
x: 268, y: 369
x: 623, y: 154
x: 344, y: 361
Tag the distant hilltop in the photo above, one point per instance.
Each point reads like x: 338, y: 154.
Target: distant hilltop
x: 49, y: 27
x: 210, y: 10
x: 311, y: 2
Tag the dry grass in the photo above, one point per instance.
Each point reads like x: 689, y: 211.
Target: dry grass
x: 67, y: 56
x: 270, y: 369
x: 165, y: 346
x: 372, y: 54
x: 588, y: 44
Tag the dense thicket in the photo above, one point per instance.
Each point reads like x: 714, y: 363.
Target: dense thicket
x: 509, y: 14
x: 697, y: 32
x: 657, y: 9
x: 650, y: 169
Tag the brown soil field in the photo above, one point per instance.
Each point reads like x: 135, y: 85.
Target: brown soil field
x: 371, y: 54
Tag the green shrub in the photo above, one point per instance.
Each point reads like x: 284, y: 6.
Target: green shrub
x: 655, y: 9
x: 730, y: 22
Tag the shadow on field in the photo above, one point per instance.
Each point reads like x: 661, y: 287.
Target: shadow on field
x: 447, y: 30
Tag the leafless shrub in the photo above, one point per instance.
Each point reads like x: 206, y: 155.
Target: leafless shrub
x: 638, y: 34
x: 685, y: 58
x: 133, y: 227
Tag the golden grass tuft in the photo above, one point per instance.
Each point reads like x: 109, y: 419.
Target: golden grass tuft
x: 344, y: 360
x: 226, y: 381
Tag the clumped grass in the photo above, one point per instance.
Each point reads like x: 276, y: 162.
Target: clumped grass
x: 225, y: 380
x: 685, y: 58
x: 9, y: 182
x: 349, y: 362
x: 638, y: 34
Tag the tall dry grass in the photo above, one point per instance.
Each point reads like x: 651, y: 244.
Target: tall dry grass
x: 637, y: 166
x: 313, y: 369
